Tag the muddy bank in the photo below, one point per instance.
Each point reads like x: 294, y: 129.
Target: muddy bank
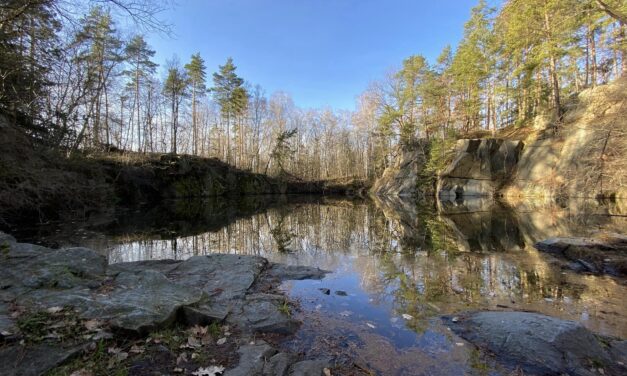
x: 67, y: 308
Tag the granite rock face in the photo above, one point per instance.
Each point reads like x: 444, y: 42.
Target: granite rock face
x: 401, y: 178
x: 480, y: 168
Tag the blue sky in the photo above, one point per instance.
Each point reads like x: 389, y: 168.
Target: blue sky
x: 321, y: 52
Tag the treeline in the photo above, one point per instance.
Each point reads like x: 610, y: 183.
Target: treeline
x: 85, y: 85
x: 76, y: 81
x: 524, y: 59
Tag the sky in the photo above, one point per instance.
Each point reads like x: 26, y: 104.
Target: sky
x: 323, y: 53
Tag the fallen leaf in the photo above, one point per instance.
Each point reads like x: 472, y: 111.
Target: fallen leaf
x: 327, y: 372
x: 199, y: 331
x: 54, y: 310
x: 92, y: 324
x: 206, y: 340
x: 370, y: 325
x: 193, y: 342
x: 209, y: 371
x: 346, y: 313
x: 121, y: 356
x: 177, y: 370
x: 181, y: 358
x: 137, y: 349
x: 221, y: 341
x: 407, y: 316
x: 195, y: 355
x: 82, y: 372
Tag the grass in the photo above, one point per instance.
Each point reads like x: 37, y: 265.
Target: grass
x: 285, y: 308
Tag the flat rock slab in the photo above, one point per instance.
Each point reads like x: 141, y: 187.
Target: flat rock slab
x: 605, y: 254
x: 539, y: 344
x: 35, y: 360
x: 141, y: 296
x: 261, y: 359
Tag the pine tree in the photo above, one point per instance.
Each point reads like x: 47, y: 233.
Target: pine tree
x: 101, y: 55
x: 231, y: 96
x: 196, y: 74
x: 174, y: 89
x: 139, y: 55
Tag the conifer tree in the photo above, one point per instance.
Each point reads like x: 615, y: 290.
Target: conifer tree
x: 197, y: 75
x: 139, y: 56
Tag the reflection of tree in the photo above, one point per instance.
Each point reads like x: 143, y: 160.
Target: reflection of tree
x: 282, y: 236
x: 408, y: 256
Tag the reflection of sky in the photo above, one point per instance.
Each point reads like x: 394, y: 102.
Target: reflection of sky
x: 373, y: 255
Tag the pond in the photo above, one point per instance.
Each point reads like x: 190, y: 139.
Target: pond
x: 397, y: 266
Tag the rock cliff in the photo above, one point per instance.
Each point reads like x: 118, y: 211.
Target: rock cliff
x: 584, y: 155
x: 480, y: 168
x: 401, y: 178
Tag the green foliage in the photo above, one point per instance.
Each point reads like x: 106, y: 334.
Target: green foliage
x: 196, y: 72
x: 283, y: 149
x: 438, y: 154
x: 228, y: 90
x: 282, y: 236
x: 285, y: 308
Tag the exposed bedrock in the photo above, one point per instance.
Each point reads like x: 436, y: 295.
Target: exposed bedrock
x: 480, y: 168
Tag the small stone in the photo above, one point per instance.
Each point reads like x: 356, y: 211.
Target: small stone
x: 407, y: 316
x: 371, y: 325
x: 341, y: 293
x: 346, y: 313
x: 221, y: 341
x: 455, y: 319
x: 327, y: 372
x: 325, y: 291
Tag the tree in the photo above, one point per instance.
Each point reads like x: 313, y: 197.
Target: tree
x: 139, y: 55
x: 472, y: 65
x: 196, y: 74
x: 101, y: 55
x: 174, y: 89
x: 231, y: 96
x: 28, y: 50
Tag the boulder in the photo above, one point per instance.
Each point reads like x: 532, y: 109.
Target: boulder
x: 252, y: 360
x: 539, y: 344
x: 605, y: 254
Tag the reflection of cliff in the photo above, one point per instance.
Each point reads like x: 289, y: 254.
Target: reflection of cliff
x: 482, y: 225
x: 405, y: 220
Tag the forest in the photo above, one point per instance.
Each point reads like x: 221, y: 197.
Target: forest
x: 78, y: 78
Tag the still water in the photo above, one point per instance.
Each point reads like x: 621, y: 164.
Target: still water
x: 397, y: 266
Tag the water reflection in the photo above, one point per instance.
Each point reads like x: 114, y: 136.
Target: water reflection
x: 401, y: 263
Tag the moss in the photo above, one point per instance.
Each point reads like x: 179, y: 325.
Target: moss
x: 4, y: 249
x: 63, y: 325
